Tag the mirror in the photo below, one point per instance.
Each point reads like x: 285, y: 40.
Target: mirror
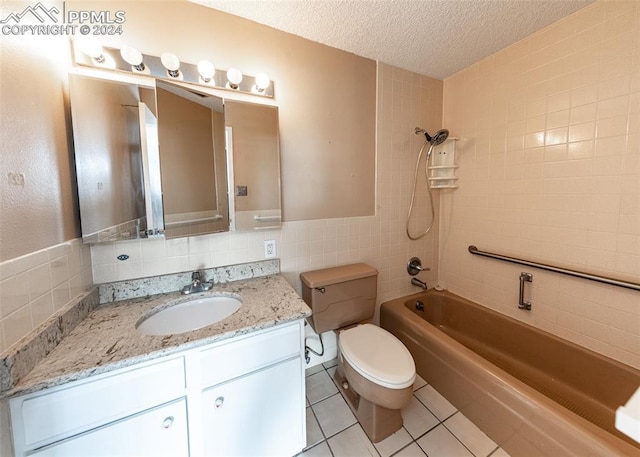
x: 108, y: 158
x: 151, y: 161
x: 193, y: 162
x: 253, y: 149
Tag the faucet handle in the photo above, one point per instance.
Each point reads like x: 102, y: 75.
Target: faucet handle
x: 415, y: 266
x: 195, y: 276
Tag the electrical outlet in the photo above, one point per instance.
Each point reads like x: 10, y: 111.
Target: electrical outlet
x: 269, y: 249
x: 16, y: 179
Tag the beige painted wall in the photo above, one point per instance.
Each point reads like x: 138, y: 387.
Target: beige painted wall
x: 185, y: 138
x: 36, y: 133
x: 550, y: 169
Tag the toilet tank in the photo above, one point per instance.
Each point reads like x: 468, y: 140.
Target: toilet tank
x: 340, y: 296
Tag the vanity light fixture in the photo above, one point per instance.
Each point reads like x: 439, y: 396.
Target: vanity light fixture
x: 88, y: 52
x: 133, y: 57
x: 92, y: 48
x: 206, y: 70
x: 262, y: 82
x: 171, y: 63
x: 234, y: 78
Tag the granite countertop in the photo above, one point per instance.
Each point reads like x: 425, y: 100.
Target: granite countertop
x: 107, y: 338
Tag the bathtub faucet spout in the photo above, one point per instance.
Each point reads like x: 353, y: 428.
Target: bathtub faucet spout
x: 417, y: 282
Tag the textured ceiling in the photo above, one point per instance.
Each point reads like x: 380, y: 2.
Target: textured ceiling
x: 433, y: 37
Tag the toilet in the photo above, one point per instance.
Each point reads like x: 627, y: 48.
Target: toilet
x: 375, y: 370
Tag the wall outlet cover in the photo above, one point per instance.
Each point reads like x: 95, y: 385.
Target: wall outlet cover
x: 16, y: 179
x: 270, y: 249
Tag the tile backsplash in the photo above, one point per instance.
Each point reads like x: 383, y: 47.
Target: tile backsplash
x: 33, y: 287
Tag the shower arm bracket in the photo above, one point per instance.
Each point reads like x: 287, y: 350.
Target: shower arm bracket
x: 524, y: 277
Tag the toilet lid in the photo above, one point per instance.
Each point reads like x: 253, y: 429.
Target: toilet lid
x: 378, y: 356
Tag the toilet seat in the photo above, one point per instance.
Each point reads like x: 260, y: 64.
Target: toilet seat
x: 378, y: 356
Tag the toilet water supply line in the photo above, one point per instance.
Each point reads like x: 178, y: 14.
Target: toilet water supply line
x: 308, y: 349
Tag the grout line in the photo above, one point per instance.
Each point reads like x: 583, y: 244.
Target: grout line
x: 325, y: 440
x: 413, y: 440
x: 456, y: 437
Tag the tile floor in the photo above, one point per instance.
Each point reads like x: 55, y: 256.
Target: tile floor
x: 432, y: 426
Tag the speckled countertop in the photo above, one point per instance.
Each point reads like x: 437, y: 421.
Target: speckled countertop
x: 107, y: 338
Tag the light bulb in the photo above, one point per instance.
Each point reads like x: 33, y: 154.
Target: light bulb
x: 133, y: 57
x: 262, y: 82
x: 235, y: 77
x: 92, y: 48
x: 206, y: 70
x: 171, y: 63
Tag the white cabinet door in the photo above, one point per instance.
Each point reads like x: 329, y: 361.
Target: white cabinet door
x: 159, y: 432
x: 260, y: 414
x: 54, y: 414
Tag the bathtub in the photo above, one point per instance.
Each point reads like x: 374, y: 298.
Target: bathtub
x: 532, y: 392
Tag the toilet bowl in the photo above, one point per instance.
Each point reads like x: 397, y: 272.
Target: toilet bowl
x: 375, y: 371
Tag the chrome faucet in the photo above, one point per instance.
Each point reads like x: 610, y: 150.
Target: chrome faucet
x: 417, y: 282
x: 196, y: 285
x: 413, y: 268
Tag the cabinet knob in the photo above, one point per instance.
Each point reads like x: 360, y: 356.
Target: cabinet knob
x: 168, y: 422
x: 219, y: 402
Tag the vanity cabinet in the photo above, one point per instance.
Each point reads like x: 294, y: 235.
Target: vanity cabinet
x: 241, y: 396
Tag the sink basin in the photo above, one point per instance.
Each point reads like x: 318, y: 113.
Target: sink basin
x: 189, y: 315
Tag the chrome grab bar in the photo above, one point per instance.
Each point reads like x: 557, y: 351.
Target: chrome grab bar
x: 578, y: 274
x: 528, y: 277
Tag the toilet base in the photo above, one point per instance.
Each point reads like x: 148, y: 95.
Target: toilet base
x: 377, y: 421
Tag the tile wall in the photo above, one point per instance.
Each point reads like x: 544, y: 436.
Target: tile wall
x: 405, y: 100
x: 550, y: 169
x: 33, y: 287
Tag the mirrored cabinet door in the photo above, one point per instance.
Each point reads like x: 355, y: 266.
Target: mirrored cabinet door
x: 253, y: 144
x: 108, y: 157
x: 193, y: 161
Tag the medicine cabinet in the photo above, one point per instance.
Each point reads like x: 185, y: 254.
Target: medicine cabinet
x: 157, y: 159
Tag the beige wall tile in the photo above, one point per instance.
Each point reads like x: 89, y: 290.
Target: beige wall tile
x: 43, y: 282
x: 574, y: 201
x: 16, y: 325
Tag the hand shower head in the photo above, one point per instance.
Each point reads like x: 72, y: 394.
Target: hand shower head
x: 438, y: 138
